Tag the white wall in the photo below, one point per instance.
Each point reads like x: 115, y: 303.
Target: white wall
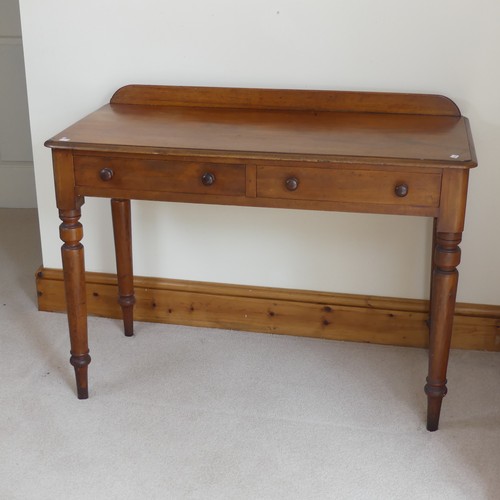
x: 17, y: 183
x: 78, y: 53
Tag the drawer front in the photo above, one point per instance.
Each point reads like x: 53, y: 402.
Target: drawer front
x: 349, y: 186
x: 133, y: 174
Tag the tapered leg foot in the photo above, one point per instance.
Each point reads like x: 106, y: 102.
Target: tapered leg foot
x: 127, y: 304
x: 435, y: 395
x: 80, y: 363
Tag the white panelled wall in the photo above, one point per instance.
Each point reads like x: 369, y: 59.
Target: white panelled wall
x: 17, y: 184
x: 78, y: 53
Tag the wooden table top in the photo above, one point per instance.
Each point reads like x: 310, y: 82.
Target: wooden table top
x: 273, y: 133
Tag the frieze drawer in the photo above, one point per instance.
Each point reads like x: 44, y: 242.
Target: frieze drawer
x: 349, y: 186
x: 171, y: 176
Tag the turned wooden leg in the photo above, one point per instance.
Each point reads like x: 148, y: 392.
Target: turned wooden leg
x: 71, y: 232
x: 122, y: 229
x: 444, y: 290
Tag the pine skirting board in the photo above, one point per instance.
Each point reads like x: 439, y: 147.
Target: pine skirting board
x: 377, y: 320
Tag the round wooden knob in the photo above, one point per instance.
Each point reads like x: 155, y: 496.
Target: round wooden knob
x: 106, y: 174
x: 292, y: 183
x: 401, y: 190
x: 207, y: 179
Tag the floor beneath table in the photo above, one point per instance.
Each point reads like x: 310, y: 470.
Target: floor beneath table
x: 192, y: 413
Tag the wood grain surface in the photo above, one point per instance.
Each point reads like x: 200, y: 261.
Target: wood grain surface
x: 359, y: 318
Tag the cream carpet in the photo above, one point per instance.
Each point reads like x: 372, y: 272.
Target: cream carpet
x: 189, y: 413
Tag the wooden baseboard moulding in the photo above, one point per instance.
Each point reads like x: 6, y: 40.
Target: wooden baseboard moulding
x: 377, y: 320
